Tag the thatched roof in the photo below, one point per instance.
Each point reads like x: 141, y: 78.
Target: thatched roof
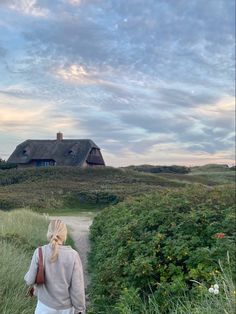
x: 64, y: 152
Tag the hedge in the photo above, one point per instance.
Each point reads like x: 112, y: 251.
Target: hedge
x: 160, y: 244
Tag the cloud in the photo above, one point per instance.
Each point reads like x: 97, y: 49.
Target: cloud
x: 14, y: 119
x: 27, y: 7
x: 74, y: 2
x: 167, y: 154
x: 145, y: 79
x: 3, y: 52
x: 76, y: 74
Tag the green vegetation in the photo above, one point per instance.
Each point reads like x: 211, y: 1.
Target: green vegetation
x: 206, y: 303
x: 212, y: 174
x: 21, y: 232
x: 218, y: 174
x: 45, y: 189
x: 165, y: 230
x: 74, y: 189
x: 159, y: 169
x: 158, y: 245
x: 5, y: 165
x: 210, y: 168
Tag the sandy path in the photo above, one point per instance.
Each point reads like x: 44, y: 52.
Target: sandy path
x: 79, y: 231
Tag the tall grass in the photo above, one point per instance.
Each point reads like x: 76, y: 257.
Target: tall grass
x: 20, y: 233
x: 23, y: 224
x: 13, y: 265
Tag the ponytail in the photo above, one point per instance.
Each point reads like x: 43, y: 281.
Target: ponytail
x: 56, y: 235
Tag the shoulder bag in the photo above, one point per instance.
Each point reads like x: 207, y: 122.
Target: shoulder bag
x: 40, y: 276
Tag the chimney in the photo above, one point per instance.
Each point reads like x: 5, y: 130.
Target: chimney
x: 59, y: 136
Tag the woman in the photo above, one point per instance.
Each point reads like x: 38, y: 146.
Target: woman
x: 63, y: 290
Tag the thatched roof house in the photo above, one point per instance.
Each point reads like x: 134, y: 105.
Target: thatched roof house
x: 58, y: 152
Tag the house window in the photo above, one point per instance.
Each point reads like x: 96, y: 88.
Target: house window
x: 44, y: 162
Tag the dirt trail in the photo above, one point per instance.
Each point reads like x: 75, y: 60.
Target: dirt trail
x: 79, y: 231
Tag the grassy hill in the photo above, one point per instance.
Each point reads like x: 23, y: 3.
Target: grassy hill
x: 68, y: 187
x: 211, y: 174
x: 46, y: 188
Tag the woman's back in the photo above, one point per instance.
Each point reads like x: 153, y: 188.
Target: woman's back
x: 64, y: 283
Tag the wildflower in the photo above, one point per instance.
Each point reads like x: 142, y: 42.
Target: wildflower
x: 220, y: 235
x: 214, y: 289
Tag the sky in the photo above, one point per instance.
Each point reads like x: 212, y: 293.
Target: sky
x: 149, y: 81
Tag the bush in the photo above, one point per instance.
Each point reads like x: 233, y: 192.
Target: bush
x: 159, y: 243
x: 206, y: 303
x: 160, y: 169
x: 6, y: 165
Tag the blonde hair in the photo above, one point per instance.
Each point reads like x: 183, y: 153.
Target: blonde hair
x: 56, y: 235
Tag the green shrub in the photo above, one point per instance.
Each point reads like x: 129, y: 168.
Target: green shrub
x: 160, y: 169
x: 159, y: 243
x: 6, y: 165
x: 206, y: 302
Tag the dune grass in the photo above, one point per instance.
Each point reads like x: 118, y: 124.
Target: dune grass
x: 21, y: 232
x: 13, y: 265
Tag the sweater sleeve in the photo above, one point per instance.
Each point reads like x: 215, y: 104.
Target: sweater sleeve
x: 30, y: 276
x: 77, y: 292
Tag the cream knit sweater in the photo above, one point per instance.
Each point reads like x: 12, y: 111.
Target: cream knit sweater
x: 64, y: 282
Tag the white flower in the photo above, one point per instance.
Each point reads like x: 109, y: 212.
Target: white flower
x: 216, y: 286
x: 211, y: 290
x: 216, y: 291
